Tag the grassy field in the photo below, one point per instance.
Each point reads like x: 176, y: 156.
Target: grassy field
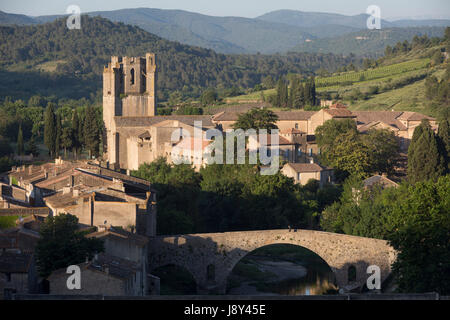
x: 371, y: 74
x: 351, y: 80
x: 409, y: 98
x: 8, y: 222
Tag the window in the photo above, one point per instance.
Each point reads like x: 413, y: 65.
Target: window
x: 298, y: 176
x: 351, y: 274
x: 310, y: 152
x: 132, y: 77
x: 296, y: 126
x: 299, y: 152
x: 8, y: 277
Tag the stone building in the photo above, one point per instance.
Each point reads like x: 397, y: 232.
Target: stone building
x: 105, y: 275
x: 17, y: 272
x: 303, y: 172
x: 97, y: 196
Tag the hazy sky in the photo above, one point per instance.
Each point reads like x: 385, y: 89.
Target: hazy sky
x: 243, y: 8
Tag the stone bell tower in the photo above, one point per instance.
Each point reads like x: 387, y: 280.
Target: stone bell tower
x: 129, y: 90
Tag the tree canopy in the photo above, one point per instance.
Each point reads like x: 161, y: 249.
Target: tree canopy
x: 62, y: 244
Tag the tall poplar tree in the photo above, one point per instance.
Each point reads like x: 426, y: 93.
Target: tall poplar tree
x: 50, y: 129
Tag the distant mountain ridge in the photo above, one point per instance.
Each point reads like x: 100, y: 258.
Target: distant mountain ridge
x: 275, y: 32
x: 314, y: 19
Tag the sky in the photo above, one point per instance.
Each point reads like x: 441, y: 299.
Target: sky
x: 390, y: 9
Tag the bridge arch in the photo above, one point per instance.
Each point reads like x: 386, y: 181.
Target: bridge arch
x: 223, y: 250
x: 318, y: 271
x: 176, y: 277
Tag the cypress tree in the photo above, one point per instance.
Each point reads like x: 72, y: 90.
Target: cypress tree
x: 81, y: 129
x: 444, y: 142
x: 76, y: 144
x: 32, y: 148
x: 307, y: 93
x: 424, y: 159
x: 50, y: 128
x: 58, y: 134
x: 293, y: 93
x: 20, y: 145
x: 313, y: 91
x: 91, y: 132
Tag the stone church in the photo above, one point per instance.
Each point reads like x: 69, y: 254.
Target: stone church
x: 134, y: 133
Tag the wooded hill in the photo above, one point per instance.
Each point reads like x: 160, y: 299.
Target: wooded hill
x: 51, y: 59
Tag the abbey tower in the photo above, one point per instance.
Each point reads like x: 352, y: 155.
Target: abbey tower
x: 129, y: 90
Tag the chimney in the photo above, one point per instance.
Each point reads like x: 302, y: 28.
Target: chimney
x: 66, y: 190
x: 45, y: 174
x: 30, y: 169
x: 76, y: 192
x: 23, y: 168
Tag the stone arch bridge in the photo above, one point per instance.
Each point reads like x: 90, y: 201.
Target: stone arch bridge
x: 210, y: 258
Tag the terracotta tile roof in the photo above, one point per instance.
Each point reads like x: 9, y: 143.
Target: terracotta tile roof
x: 282, y: 116
x: 119, y: 233
x: 114, y: 266
x: 413, y: 116
x: 379, y: 180
x: 340, y: 113
x: 307, y: 167
x: 387, y: 117
x: 282, y: 141
x: 338, y: 105
x: 149, y: 121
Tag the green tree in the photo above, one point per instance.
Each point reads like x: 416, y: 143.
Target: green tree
x: 424, y: 159
x: 91, y: 132
x: 50, y: 129
x: 351, y: 156
x: 282, y: 94
x: 444, y: 142
x: 61, y: 244
x: 32, y: 147
x: 76, y: 142
x: 327, y: 134
x: 67, y: 140
x: 257, y: 119
x: 20, y: 144
x: 422, y: 239
x: 383, y: 149
x: 209, y: 97
x: 58, y: 134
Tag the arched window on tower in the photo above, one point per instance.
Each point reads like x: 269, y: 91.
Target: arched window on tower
x: 132, y: 77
